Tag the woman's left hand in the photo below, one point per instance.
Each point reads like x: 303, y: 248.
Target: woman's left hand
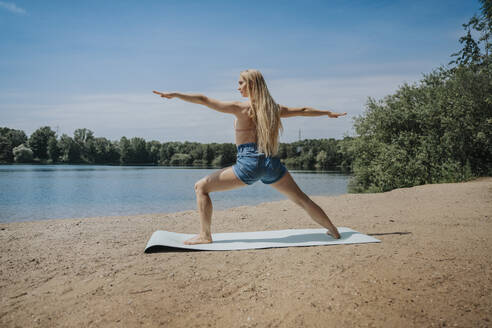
x: 165, y: 95
x: 335, y: 115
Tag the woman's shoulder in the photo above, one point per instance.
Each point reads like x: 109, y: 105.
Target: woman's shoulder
x: 245, y: 104
x: 245, y: 107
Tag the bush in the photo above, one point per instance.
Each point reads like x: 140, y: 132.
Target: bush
x: 180, y: 159
x: 438, y: 131
x: 23, y: 154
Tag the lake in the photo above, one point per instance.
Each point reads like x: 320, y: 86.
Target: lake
x: 36, y: 192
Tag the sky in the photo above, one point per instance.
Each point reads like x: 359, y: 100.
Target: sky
x: 93, y: 64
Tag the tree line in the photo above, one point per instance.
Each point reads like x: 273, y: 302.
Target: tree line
x: 44, y: 147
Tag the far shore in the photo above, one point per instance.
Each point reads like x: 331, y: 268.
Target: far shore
x: 336, y: 169
x: 431, y: 269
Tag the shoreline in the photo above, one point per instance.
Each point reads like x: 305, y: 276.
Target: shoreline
x: 330, y: 169
x: 432, y: 267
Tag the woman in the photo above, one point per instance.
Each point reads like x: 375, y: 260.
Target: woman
x: 257, y: 128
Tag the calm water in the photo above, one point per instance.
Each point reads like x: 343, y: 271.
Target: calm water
x: 36, y: 192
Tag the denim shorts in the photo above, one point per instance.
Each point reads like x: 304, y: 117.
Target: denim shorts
x: 252, y: 166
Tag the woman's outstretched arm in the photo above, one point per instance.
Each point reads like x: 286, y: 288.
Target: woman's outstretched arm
x: 231, y: 107
x: 306, y: 111
x: 194, y: 97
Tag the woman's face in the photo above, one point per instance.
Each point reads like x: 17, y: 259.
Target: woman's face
x: 242, y: 87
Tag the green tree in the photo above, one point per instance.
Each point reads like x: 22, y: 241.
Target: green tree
x: 168, y: 149
x: 9, y: 139
x: 470, y: 54
x: 105, y: 151
x: 139, y: 150
x: 181, y: 159
x: 197, y: 152
x: 85, y: 139
x: 226, y: 155
x: 6, y: 155
x: 322, y: 160
x: 22, y: 154
x: 153, y: 149
x: 217, y: 161
x: 53, y: 150
x: 38, y: 142
x: 70, y: 150
x: 208, y: 154
x: 126, y: 151
x: 308, y: 160
x: 346, y: 150
x: 438, y: 131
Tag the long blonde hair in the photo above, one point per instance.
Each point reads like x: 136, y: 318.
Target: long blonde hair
x: 265, y: 112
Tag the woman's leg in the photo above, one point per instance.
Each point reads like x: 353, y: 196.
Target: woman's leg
x: 221, y: 180
x: 287, y: 186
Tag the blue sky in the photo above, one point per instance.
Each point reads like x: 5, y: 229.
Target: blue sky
x: 94, y: 64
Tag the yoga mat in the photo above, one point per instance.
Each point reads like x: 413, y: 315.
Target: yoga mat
x: 259, y: 239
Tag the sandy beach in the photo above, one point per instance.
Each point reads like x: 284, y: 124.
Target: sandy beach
x: 433, y: 267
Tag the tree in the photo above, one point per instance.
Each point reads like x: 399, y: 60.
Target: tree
x: 126, y: 152
x: 153, y: 149
x: 38, y: 142
x: 209, y: 154
x: 439, y: 130
x: 9, y: 139
x: 181, y: 159
x: 308, y: 160
x: 346, y: 150
x: 16, y: 137
x: 5, y: 150
x: 69, y: 149
x: 321, y: 160
x: 470, y: 53
x: 22, y: 154
x: 197, y: 153
x: 85, y: 139
x: 105, y: 151
x: 228, y: 153
x: 139, y: 150
x: 53, y: 150
x: 82, y: 136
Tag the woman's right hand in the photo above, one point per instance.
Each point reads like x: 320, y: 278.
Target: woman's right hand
x: 168, y: 95
x: 335, y: 115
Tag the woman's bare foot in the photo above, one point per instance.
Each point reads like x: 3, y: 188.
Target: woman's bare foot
x: 335, y: 235
x: 198, y: 239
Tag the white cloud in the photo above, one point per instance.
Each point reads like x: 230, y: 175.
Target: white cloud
x: 341, y: 94
x: 116, y: 115
x: 12, y: 7
x: 154, y: 118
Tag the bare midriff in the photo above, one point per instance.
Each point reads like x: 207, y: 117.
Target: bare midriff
x: 244, y: 134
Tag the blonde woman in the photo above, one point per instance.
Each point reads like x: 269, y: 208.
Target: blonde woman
x: 257, y: 128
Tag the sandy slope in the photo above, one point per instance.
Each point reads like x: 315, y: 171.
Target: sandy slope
x: 93, y: 272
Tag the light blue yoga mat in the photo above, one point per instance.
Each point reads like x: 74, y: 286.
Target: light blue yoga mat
x: 259, y: 239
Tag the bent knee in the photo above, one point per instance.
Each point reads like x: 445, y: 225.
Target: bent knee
x: 200, y: 186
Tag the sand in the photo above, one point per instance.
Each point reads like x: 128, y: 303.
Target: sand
x: 433, y: 267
